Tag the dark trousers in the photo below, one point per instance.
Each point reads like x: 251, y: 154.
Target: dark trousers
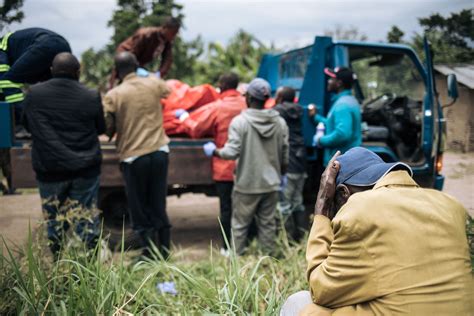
x: 70, y: 202
x: 146, y: 186
x: 224, y: 191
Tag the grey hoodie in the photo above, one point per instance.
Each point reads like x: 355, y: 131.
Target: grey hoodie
x: 258, y: 139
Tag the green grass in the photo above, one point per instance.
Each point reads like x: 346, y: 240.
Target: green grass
x: 83, y: 284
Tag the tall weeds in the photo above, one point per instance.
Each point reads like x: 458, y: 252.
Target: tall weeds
x: 82, y: 283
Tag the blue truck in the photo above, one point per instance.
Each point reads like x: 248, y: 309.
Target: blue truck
x: 402, y: 116
x: 401, y: 113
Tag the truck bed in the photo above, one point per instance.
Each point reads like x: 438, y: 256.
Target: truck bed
x: 187, y: 165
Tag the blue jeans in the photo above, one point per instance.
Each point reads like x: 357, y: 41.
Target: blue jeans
x: 68, y: 202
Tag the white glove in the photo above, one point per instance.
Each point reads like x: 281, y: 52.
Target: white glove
x: 209, y: 148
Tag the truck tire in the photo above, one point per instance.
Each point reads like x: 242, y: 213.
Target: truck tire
x: 116, y: 222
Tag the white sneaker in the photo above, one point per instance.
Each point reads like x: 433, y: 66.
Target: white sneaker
x: 225, y: 252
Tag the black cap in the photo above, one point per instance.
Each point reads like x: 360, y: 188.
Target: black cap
x: 344, y: 74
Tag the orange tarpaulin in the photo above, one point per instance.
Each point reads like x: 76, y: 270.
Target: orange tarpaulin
x: 184, y: 97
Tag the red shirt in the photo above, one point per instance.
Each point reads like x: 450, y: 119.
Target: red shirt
x: 214, y: 119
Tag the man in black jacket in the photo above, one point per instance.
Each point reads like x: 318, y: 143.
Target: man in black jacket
x: 65, y: 119
x: 291, y: 203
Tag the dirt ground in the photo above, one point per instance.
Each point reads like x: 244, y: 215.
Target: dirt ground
x: 194, y: 216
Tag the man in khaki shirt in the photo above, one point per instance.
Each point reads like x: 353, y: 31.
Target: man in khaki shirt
x: 133, y: 111
x: 393, y: 248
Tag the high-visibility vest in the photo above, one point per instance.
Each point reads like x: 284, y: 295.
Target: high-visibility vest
x: 4, y: 43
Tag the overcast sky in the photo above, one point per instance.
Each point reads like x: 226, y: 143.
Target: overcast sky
x: 286, y: 23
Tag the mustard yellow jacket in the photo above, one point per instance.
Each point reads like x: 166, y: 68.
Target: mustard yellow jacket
x: 397, y: 249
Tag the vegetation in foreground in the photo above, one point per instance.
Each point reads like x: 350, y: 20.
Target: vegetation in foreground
x: 81, y: 283
x: 98, y: 283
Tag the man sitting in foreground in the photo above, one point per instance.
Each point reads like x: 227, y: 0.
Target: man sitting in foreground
x: 393, y: 248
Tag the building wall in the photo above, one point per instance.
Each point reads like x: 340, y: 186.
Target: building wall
x: 459, y: 117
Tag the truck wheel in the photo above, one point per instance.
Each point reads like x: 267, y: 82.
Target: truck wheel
x: 116, y: 221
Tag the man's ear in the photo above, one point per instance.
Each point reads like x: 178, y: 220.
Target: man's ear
x: 342, y: 195
x: 344, y: 190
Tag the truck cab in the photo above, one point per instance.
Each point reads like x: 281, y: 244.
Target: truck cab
x: 402, y: 117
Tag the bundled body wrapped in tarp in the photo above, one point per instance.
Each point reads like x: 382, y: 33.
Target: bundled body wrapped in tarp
x: 187, y: 98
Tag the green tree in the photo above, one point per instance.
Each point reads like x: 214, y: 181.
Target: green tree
x: 96, y: 67
x: 241, y: 55
x: 126, y: 19
x: 10, y: 12
x: 451, y: 38
x: 133, y: 14
x: 395, y: 35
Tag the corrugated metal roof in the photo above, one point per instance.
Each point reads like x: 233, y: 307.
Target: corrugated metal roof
x: 464, y: 73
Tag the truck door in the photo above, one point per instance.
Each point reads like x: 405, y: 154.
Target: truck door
x: 432, y: 110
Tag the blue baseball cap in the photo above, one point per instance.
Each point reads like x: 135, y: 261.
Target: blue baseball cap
x: 362, y: 167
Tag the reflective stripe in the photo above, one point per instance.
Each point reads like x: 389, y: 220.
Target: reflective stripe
x: 4, y: 84
x: 15, y: 97
x: 4, y: 44
x: 4, y: 68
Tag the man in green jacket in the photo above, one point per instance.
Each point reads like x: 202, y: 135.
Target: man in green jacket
x: 343, y: 123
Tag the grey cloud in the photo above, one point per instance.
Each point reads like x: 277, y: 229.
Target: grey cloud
x: 286, y: 23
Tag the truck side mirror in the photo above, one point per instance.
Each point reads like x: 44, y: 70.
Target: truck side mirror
x: 452, y: 84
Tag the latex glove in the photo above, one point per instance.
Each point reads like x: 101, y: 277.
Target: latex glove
x: 142, y: 72
x: 283, y: 182
x: 209, y: 148
x: 316, y: 139
x: 181, y: 114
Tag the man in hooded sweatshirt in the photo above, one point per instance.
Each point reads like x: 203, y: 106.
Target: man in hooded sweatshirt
x: 258, y: 140
x: 291, y: 204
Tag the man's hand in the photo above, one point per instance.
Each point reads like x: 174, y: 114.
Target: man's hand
x: 209, y: 148
x: 312, y: 110
x: 327, y: 189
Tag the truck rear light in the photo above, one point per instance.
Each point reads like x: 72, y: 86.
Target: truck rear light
x: 439, y: 163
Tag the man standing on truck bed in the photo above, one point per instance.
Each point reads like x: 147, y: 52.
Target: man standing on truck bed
x: 149, y: 43
x: 133, y: 110
x: 65, y: 119
x: 25, y: 57
x: 213, y: 120
x: 258, y: 140
x: 343, y: 123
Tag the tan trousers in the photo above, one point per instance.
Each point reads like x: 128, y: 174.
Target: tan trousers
x: 247, y: 206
